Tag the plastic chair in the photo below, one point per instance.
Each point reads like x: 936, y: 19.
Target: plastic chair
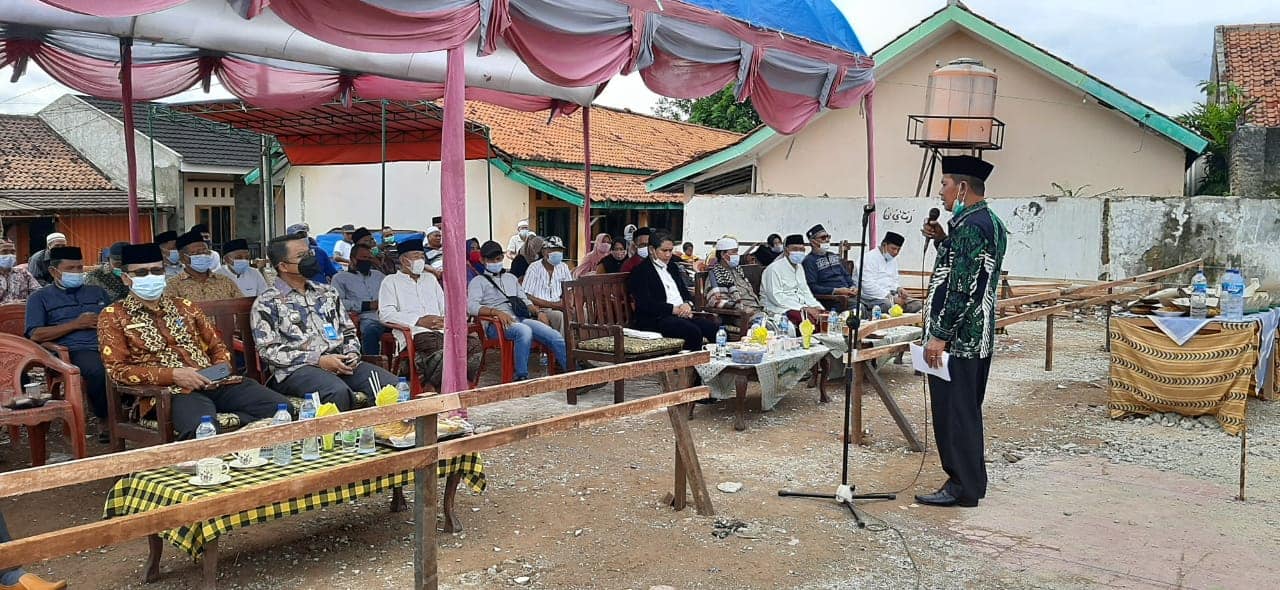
x: 62, y: 382
x: 506, y: 348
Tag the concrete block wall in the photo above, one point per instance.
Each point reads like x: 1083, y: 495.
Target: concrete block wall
x: 1255, y: 161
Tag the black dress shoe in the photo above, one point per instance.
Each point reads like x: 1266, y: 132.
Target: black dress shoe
x: 944, y: 498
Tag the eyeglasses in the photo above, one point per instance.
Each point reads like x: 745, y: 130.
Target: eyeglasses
x: 142, y: 272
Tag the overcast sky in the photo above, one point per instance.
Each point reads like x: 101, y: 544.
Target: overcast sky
x: 1156, y: 50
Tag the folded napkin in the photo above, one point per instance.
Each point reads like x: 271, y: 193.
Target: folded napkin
x: 1179, y: 330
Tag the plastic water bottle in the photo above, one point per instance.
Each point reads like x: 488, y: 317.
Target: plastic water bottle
x: 310, y: 444
x: 722, y: 341
x: 282, y: 453
x: 1233, y: 295
x: 402, y: 389
x: 206, y: 428
x: 876, y: 314
x: 1199, y: 295
x: 785, y: 328
x: 833, y: 323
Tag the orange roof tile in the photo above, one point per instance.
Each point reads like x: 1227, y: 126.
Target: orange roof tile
x: 605, y: 186
x: 618, y: 138
x: 1249, y: 57
x: 32, y: 156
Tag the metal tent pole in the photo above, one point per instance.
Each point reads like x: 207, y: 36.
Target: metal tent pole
x: 383, y: 161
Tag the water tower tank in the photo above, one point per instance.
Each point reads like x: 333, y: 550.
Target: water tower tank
x: 961, y: 103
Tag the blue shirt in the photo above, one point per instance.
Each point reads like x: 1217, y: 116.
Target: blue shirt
x: 825, y: 273
x: 327, y: 267
x: 53, y: 306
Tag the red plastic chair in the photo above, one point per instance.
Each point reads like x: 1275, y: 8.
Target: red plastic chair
x: 62, y: 380
x: 507, y: 348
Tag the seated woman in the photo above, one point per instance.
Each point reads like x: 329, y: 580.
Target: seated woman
x: 663, y: 303
x: 618, y: 255
x: 727, y: 285
x: 769, y: 251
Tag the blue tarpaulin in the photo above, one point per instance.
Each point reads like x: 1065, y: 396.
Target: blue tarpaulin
x: 816, y: 20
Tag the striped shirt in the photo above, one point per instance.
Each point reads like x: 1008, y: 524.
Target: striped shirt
x: 546, y: 285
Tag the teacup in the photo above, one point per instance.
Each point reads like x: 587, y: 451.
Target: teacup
x: 246, y: 457
x: 208, y: 470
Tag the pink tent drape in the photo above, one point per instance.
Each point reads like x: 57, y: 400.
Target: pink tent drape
x: 453, y: 202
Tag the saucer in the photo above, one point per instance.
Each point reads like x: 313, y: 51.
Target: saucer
x: 217, y: 481
x: 258, y: 462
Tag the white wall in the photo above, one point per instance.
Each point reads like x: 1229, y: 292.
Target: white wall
x: 329, y: 196
x: 1062, y: 238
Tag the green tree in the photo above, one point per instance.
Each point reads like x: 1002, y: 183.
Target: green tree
x: 720, y: 110
x: 1225, y: 107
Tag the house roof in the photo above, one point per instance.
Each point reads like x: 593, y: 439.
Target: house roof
x: 605, y: 186
x: 80, y: 200
x: 32, y: 156
x: 956, y: 14
x: 1249, y: 57
x: 196, y: 142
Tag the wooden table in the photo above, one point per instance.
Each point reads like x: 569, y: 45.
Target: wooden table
x: 742, y: 375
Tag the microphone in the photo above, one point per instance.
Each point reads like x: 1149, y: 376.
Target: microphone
x: 933, y: 216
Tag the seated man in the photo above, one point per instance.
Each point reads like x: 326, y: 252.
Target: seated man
x: 384, y: 257
x: 727, y: 285
x: 38, y: 263
x: 15, y: 578
x: 107, y: 274
x: 414, y: 298
x: 65, y: 312
x: 784, y: 289
x: 881, y: 285
x: 358, y: 288
x: 542, y: 283
x: 325, y: 268
x: 202, y: 230
x: 306, y: 339
x: 640, y: 249
x: 490, y: 294
x: 16, y: 284
x: 823, y: 269
x: 168, y: 248
x: 155, y: 338
x: 663, y: 303
x: 342, y: 248
x: 198, y: 283
x: 235, y: 256
x: 434, y: 251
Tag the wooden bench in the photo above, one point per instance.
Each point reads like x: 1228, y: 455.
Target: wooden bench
x: 597, y: 308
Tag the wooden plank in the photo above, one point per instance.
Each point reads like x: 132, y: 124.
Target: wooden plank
x: 1048, y: 343
x: 688, y: 461
x: 900, y: 418
x: 867, y: 327
x: 43, y: 546
x: 504, y: 436
x: 1027, y: 299
x: 25, y: 481
x: 563, y: 381
x: 1034, y: 314
x: 1142, y: 278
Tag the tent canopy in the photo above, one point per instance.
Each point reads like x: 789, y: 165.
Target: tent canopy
x: 346, y: 134
x: 817, y: 20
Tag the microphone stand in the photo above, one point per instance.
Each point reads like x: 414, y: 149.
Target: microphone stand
x: 844, y: 492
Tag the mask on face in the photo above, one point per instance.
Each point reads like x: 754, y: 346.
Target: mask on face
x: 417, y: 266
x: 475, y: 259
x: 524, y: 233
x: 8, y: 260
x: 148, y: 288
x: 308, y: 266
x: 117, y: 272
x: 820, y: 248
x: 888, y: 257
x: 173, y: 257
x: 603, y: 248
x: 957, y: 208
x: 493, y: 267
x: 376, y: 251
x: 240, y: 266
x: 735, y: 260
x: 201, y: 262
x: 555, y: 258
x: 642, y: 251
x: 72, y: 280
x: 364, y: 267
x: 776, y: 249
x: 795, y: 257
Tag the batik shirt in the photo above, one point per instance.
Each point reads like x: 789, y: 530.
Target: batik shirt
x: 295, y: 328
x: 17, y: 285
x: 961, y: 306
x: 104, y: 276
x: 215, y: 287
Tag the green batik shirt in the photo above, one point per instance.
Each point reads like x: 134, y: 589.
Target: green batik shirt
x: 961, y: 306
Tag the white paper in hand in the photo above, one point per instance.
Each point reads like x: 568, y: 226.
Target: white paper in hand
x: 918, y: 363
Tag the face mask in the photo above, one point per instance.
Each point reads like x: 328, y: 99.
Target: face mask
x: 376, y: 251
x: 555, y: 258
x: 417, y: 266
x: 776, y: 249
x: 795, y: 257
x: 364, y: 266
x: 173, y: 257
x: 493, y: 267
x: 148, y: 288
x: 117, y: 272
x: 820, y: 248
x: 8, y: 260
x: 524, y: 233
x: 309, y: 266
x: 888, y: 257
x: 735, y: 260
x: 642, y: 251
x: 603, y: 248
x: 201, y: 262
x: 72, y: 280
x: 240, y: 266
x: 475, y: 259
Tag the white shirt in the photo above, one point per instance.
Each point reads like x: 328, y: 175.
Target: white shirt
x: 402, y: 300
x: 669, y: 283
x: 879, y: 277
x: 342, y: 249
x: 784, y: 287
x: 515, y: 244
x: 543, y: 285
x: 251, y: 282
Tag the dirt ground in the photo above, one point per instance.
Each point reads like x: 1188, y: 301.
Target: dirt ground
x: 1076, y: 501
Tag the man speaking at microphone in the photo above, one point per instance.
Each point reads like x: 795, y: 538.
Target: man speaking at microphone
x: 960, y: 318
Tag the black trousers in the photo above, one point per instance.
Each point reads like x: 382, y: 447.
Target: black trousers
x: 335, y: 388
x: 957, y: 426
x: 691, y: 331
x: 93, y: 377
x: 249, y: 400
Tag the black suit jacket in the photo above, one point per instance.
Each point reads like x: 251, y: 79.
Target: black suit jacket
x: 650, y: 296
